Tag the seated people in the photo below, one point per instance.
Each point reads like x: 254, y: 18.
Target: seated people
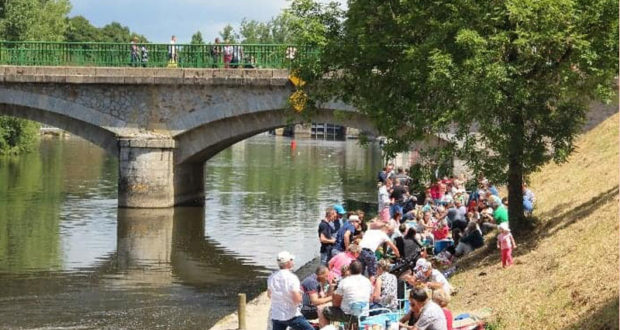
x: 441, y: 235
x: 385, y: 289
x: 528, y: 199
x: 313, y: 294
x: 500, y: 214
x: 343, y: 259
x: 407, y: 244
x: 428, y: 276
x: 354, y: 288
x: 424, y: 313
x: 471, y: 240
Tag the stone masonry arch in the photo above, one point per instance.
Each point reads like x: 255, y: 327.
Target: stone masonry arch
x: 200, y: 144
x: 95, y: 134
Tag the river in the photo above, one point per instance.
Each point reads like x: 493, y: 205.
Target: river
x: 69, y: 258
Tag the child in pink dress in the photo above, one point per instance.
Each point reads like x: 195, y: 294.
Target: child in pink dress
x: 506, y: 243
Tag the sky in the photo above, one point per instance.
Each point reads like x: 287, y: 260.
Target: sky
x: 158, y: 20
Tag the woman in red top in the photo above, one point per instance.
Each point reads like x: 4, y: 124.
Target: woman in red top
x: 441, y: 232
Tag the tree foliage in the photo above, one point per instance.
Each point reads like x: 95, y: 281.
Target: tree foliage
x: 116, y: 32
x: 79, y: 29
x: 228, y: 34
x: 305, y: 22
x: 507, y: 82
x: 17, y: 135
x: 276, y: 31
x: 197, y: 39
x: 34, y: 19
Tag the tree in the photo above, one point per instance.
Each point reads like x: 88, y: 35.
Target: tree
x: 115, y: 32
x: 228, y: 34
x: 197, y: 39
x: 34, y: 19
x: 79, y: 29
x: 254, y: 32
x: 507, y: 81
x: 280, y: 29
x: 17, y: 135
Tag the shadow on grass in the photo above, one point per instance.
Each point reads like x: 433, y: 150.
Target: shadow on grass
x: 571, y: 216
x: 529, y: 236
x: 605, y: 318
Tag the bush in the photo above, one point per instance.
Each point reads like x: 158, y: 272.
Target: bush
x: 17, y: 135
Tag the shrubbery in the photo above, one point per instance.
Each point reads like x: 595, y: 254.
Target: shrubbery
x: 17, y: 135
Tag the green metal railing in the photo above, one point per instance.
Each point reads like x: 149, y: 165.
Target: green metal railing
x: 37, y: 53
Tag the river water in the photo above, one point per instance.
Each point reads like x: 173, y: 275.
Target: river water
x: 69, y: 258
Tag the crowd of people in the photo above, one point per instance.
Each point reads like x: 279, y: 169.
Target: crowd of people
x: 367, y: 266
x: 219, y: 54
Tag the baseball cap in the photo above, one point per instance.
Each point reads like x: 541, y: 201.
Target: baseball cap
x: 339, y: 209
x: 422, y: 265
x: 285, y: 256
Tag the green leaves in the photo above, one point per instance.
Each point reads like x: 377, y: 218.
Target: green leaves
x: 34, y: 20
x: 17, y: 135
x: 509, y: 80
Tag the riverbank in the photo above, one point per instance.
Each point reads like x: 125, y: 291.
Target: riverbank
x: 257, y: 315
x: 566, y: 268
x: 257, y: 309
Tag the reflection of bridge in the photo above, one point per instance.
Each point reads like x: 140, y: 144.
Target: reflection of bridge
x: 161, y: 246
x: 162, y: 124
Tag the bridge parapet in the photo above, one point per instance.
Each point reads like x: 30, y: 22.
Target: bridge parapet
x: 143, y: 76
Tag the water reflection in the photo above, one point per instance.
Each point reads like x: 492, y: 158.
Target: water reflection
x: 70, y: 258
x: 263, y: 197
x: 162, y: 246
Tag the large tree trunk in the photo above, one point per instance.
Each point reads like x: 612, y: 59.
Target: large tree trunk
x: 515, y: 193
x: 515, y: 173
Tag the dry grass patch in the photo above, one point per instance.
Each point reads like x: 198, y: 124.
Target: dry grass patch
x: 566, y: 271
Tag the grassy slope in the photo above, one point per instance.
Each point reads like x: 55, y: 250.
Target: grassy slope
x: 566, y: 272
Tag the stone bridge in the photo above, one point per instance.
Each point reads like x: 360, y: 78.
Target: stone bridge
x: 162, y: 124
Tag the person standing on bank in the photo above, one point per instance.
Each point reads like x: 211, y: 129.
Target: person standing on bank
x: 326, y: 233
x: 284, y: 290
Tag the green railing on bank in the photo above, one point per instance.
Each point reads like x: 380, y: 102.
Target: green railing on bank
x: 37, y: 53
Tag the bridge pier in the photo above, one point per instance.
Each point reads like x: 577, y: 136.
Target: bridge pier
x: 189, y: 184
x: 145, y: 177
x: 148, y: 177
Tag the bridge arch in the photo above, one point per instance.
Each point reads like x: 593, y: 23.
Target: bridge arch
x: 200, y: 144
x: 72, y: 117
x: 97, y: 135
